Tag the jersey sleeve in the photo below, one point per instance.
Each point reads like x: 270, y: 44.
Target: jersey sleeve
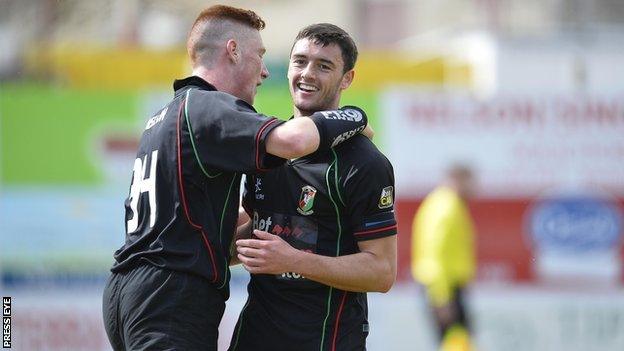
x: 227, y: 133
x: 369, y: 197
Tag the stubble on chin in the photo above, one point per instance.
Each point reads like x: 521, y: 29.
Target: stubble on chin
x: 306, y: 109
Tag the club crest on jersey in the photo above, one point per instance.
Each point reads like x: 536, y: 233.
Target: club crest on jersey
x: 306, y: 200
x: 386, y: 200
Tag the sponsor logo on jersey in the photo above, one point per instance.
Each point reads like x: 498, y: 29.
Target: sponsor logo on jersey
x: 290, y: 276
x: 386, y: 200
x: 262, y: 223
x: 284, y: 230
x: 346, y: 135
x: 348, y: 114
x: 306, y: 200
x: 152, y: 121
x: 259, y: 189
x: 299, y: 232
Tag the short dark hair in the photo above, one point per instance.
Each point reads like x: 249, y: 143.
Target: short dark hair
x: 327, y: 33
x: 219, y: 13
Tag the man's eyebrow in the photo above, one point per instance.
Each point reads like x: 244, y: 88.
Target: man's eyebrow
x: 321, y: 59
x: 327, y: 61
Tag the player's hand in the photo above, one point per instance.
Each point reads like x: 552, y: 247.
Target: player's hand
x: 269, y: 254
x: 368, y: 132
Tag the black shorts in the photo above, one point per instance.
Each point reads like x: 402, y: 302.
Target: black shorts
x: 150, y: 308
x: 258, y: 329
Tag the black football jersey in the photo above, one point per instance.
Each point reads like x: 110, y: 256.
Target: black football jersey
x: 181, y: 210
x: 323, y: 203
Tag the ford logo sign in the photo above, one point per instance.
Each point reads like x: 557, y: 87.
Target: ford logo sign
x: 575, y: 224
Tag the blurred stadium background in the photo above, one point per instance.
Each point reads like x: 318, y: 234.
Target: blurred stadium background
x: 530, y: 93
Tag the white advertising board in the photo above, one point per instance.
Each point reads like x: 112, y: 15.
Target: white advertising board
x: 520, y: 145
x: 511, y: 318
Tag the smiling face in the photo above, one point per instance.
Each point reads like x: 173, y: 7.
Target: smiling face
x: 251, y: 70
x: 316, y: 78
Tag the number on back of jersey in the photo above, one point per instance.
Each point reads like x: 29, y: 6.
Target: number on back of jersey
x: 141, y: 183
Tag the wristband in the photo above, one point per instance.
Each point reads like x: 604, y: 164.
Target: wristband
x: 337, y: 126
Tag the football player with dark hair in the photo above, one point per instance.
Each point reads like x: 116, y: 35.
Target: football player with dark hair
x: 325, y: 231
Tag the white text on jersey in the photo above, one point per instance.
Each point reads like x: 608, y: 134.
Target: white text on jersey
x: 152, y: 121
x: 141, y: 184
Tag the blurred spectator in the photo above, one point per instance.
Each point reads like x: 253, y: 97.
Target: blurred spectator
x: 443, y: 258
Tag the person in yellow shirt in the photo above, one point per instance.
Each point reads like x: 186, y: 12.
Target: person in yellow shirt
x: 443, y: 255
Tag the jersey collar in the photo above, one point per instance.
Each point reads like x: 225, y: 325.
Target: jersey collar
x: 192, y: 81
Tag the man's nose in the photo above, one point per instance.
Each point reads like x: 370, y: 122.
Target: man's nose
x: 265, y: 71
x: 308, y: 71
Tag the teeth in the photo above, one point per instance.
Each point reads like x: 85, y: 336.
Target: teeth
x: 307, y: 87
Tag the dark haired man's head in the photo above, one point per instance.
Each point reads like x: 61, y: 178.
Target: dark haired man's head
x: 327, y: 33
x: 320, y: 68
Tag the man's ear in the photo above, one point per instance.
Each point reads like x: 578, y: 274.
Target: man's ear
x: 233, y: 51
x: 347, y: 79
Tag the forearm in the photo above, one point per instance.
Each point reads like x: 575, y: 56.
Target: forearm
x: 298, y: 137
x: 360, y: 272
x: 371, y: 269
x: 304, y: 135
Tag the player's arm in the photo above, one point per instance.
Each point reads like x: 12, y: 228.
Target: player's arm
x: 371, y: 269
x: 323, y: 130
x: 227, y: 134
x: 243, y: 231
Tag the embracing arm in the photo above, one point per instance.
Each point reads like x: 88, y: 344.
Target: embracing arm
x: 295, y: 138
x: 304, y: 135
x: 371, y: 269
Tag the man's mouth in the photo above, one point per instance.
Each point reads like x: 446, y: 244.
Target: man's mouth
x: 308, y: 88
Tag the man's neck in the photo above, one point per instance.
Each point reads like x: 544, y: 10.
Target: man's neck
x: 301, y: 113
x: 214, y: 77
